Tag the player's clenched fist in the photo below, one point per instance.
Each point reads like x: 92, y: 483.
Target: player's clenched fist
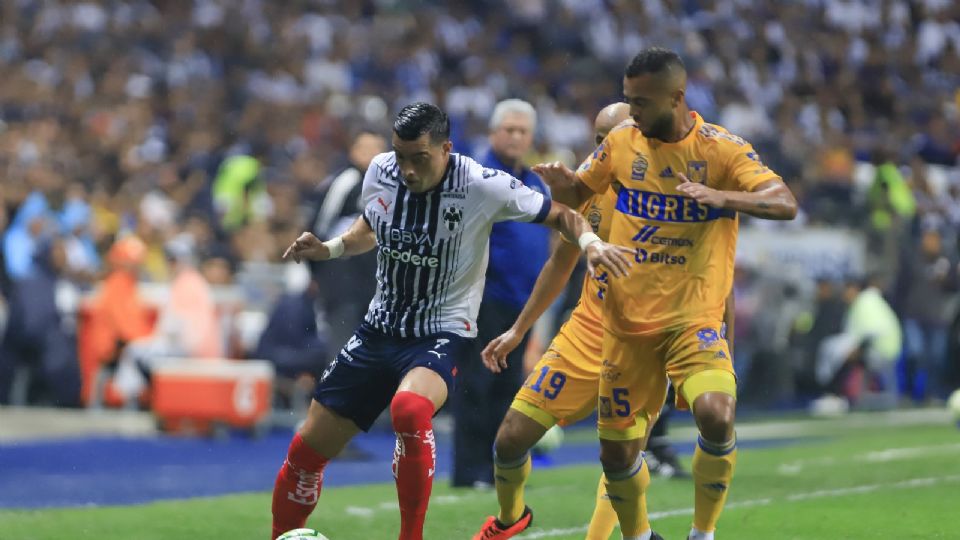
x: 307, y: 246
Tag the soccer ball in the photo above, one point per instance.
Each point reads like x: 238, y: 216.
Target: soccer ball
x: 550, y: 441
x: 302, y: 534
x: 953, y: 405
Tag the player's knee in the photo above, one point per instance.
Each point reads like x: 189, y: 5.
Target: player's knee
x: 410, y: 412
x: 715, y: 413
x: 508, y: 447
x: 511, y: 442
x: 618, y: 456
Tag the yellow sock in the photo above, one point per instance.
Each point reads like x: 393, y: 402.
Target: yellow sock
x: 604, y: 517
x: 713, y: 466
x: 627, y: 494
x: 509, y: 479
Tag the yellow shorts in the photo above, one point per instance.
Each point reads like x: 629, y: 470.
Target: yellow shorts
x: 562, y: 388
x: 633, y: 384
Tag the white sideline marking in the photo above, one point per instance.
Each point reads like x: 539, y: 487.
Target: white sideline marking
x: 819, y: 494
x: 368, y: 512
x: 359, y: 511
x: 893, y: 454
x: 794, y: 468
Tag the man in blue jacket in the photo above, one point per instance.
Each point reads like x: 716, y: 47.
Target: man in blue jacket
x: 517, y: 253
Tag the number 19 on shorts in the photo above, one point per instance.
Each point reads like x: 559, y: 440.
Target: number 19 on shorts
x: 550, y: 387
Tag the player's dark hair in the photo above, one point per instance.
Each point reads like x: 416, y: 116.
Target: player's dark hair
x: 418, y: 118
x: 653, y: 60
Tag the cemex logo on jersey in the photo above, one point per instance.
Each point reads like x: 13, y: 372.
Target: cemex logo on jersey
x: 647, y: 232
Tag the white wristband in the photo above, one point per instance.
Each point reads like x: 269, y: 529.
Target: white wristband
x: 335, y: 246
x: 586, y: 239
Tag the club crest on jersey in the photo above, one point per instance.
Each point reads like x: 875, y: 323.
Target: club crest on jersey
x: 452, y: 217
x: 638, y: 169
x: 604, y: 407
x: 697, y: 171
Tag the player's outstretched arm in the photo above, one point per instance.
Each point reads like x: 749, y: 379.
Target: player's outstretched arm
x: 565, y: 187
x: 358, y: 239
x: 552, y: 279
x: 770, y: 200
x: 572, y: 225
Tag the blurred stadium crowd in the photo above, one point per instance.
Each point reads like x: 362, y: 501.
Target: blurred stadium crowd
x: 210, y: 131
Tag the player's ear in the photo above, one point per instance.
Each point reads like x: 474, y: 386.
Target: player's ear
x: 677, y: 97
x: 447, y: 146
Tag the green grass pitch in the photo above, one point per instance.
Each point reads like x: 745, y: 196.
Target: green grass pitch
x: 863, y: 481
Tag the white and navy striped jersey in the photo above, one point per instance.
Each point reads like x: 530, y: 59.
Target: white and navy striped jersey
x: 432, y: 247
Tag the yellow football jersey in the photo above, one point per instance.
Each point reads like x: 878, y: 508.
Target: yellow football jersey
x: 598, y: 211
x: 683, y: 251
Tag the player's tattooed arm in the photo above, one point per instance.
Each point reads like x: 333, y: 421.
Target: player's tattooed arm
x: 358, y: 239
x: 770, y: 200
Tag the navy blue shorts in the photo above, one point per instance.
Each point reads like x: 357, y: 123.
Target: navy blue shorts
x: 362, y: 379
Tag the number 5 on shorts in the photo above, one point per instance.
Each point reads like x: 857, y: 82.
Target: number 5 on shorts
x: 620, y: 399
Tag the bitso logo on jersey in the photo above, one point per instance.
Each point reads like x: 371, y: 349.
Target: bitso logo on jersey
x: 643, y: 256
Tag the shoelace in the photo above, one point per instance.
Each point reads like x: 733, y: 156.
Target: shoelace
x: 491, y: 530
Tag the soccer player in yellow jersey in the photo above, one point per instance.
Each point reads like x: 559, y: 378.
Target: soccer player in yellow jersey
x: 562, y: 388
x: 680, y: 183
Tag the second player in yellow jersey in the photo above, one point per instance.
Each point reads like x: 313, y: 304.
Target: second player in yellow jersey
x: 680, y: 183
x: 562, y: 387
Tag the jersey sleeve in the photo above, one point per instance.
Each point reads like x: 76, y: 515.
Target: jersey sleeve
x: 597, y: 170
x: 511, y: 200
x: 370, y: 187
x: 745, y: 170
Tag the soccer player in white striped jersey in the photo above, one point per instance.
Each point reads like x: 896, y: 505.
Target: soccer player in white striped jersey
x: 428, y: 213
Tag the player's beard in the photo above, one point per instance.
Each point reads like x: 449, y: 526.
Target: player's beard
x: 661, y: 128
